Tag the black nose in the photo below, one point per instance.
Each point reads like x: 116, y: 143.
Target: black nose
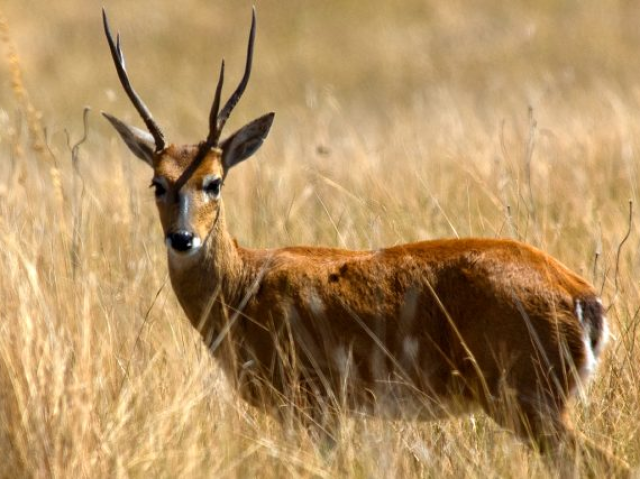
x: 181, y: 240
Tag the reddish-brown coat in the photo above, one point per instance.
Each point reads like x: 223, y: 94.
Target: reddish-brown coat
x: 439, y: 317
x: 420, y: 330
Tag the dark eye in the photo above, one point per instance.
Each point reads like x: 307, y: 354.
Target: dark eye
x: 212, y: 187
x: 159, y: 187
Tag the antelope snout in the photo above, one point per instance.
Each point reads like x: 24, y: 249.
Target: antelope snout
x: 182, y: 241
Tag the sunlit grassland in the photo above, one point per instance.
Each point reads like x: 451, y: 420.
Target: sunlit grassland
x: 395, y: 121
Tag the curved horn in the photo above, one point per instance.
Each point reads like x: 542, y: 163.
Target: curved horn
x: 214, y: 133
x: 118, y: 60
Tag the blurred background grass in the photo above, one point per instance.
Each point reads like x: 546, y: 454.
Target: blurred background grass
x: 395, y: 121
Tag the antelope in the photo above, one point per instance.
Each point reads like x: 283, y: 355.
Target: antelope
x: 421, y: 331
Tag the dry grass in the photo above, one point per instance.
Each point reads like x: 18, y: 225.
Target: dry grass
x: 395, y: 122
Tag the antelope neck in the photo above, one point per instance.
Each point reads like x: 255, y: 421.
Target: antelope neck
x: 209, y: 279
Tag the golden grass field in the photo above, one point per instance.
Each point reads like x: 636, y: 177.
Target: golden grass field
x: 395, y: 121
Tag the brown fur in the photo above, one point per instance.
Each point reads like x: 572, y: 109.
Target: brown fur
x: 422, y: 330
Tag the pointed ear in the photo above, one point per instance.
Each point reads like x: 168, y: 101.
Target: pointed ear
x: 246, y: 141
x: 139, y: 141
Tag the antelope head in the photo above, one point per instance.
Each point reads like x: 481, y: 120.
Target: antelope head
x: 188, y: 179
